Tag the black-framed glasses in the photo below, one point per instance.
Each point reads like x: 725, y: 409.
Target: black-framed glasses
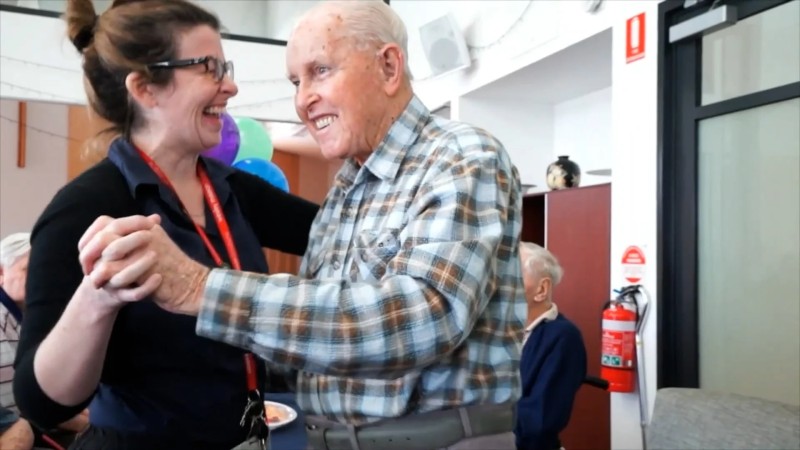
x: 215, y: 66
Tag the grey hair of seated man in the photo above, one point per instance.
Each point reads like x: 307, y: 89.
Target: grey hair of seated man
x: 541, y: 272
x: 14, y: 246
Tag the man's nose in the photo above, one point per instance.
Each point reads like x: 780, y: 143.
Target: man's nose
x: 305, y: 97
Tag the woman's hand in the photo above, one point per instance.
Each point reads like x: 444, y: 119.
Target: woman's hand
x: 133, y: 257
x: 117, y: 258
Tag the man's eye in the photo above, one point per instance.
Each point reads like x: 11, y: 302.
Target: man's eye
x: 321, y: 70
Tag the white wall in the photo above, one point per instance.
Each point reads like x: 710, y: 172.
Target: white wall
x: 634, y: 196
x: 260, y: 18
x: 37, y: 62
x: 24, y: 192
x: 504, y: 35
x: 582, y: 130
x: 526, y: 130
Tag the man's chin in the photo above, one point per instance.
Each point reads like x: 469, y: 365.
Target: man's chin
x: 332, y: 153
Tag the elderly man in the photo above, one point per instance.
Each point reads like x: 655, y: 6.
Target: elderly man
x: 14, y: 251
x: 15, y: 433
x: 553, y: 363
x: 402, y: 329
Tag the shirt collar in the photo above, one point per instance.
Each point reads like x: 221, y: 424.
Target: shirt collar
x: 137, y: 173
x: 548, y: 315
x: 10, y: 305
x: 386, y: 160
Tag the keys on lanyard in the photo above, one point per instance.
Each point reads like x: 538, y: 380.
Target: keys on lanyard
x: 255, y: 417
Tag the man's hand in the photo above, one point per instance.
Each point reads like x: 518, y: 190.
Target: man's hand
x: 114, y: 249
x: 17, y: 437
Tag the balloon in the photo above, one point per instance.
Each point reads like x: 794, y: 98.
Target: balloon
x: 266, y: 170
x: 228, y: 145
x: 255, y: 141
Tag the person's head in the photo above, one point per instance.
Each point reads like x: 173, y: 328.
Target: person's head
x: 540, y: 274
x: 155, y: 70
x: 348, y: 61
x: 14, y: 252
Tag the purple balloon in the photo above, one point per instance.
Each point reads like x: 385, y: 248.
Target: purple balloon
x: 228, y: 145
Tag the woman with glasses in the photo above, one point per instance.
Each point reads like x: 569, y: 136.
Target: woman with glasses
x: 156, y: 71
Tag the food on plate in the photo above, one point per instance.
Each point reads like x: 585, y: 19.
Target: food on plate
x: 275, y: 413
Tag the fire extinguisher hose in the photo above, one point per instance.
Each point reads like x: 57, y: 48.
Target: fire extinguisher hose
x: 629, y: 294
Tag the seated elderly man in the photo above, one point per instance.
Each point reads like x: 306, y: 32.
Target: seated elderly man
x: 553, y: 364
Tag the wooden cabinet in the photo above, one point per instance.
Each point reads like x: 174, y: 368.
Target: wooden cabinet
x: 578, y: 232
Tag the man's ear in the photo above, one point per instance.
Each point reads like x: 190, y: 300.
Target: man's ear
x: 392, y: 66
x: 543, y: 289
x: 140, y: 89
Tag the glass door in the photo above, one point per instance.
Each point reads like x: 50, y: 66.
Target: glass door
x: 730, y: 207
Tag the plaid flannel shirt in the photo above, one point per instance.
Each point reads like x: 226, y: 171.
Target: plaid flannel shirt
x: 409, y: 297
x: 9, y: 341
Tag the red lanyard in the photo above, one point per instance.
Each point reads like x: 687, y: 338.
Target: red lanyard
x: 216, y: 210
x: 222, y: 225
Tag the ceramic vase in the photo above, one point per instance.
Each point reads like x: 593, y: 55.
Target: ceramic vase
x: 563, y: 173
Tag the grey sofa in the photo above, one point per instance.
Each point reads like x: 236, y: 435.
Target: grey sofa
x: 698, y: 419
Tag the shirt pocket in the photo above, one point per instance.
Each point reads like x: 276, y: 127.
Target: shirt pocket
x: 372, y: 252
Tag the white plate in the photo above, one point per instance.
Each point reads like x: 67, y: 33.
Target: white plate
x: 285, y: 412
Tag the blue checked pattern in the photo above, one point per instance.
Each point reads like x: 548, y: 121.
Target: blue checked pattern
x: 409, y: 297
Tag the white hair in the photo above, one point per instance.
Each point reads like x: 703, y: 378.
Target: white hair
x: 370, y: 22
x: 539, y: 261
x: 13, y: 247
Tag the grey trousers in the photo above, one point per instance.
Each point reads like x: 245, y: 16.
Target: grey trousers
x: 502, y: 441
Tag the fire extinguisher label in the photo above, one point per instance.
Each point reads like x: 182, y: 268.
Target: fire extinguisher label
x: 618, y: 343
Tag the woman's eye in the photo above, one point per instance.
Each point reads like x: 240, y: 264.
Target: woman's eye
x: 321, y: 70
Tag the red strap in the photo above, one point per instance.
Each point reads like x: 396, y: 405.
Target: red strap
x: 216, y: 210
x: 222, y: 225
x: 250, y: 369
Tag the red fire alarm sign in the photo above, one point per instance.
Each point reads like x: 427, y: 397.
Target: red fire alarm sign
x: 634, y: 40
x: 633, y: 264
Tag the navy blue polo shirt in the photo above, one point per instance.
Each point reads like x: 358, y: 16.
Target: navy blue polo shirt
x: 159, y: 377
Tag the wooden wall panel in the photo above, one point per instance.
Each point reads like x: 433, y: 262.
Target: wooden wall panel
x: 81, y: 126
x: 579, y: 235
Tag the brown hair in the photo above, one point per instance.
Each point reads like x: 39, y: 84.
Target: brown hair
x: 126, y: 38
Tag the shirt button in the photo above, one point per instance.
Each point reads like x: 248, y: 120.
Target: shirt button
x: 337, y: 265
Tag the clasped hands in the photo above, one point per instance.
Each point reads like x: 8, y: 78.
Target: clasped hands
x: 132, y: 258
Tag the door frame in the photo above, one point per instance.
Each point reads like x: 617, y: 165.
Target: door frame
x: 679, y: 113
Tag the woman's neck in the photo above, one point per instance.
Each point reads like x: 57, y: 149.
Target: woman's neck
x: 179, y: 166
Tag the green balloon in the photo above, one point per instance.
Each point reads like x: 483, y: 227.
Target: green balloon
x: 255, y: 142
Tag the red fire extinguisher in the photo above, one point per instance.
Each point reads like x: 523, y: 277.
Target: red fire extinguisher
x: 618, y: 352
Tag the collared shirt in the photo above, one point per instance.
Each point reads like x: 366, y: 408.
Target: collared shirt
x: 548, y: 315
x: 159, y: 376
x: 10, y: 319
x: 409, y: 297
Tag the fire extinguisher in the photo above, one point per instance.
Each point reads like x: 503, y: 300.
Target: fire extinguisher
x: 618, y: 346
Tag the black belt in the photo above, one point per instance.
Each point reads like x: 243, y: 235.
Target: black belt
x: 427, y: 431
